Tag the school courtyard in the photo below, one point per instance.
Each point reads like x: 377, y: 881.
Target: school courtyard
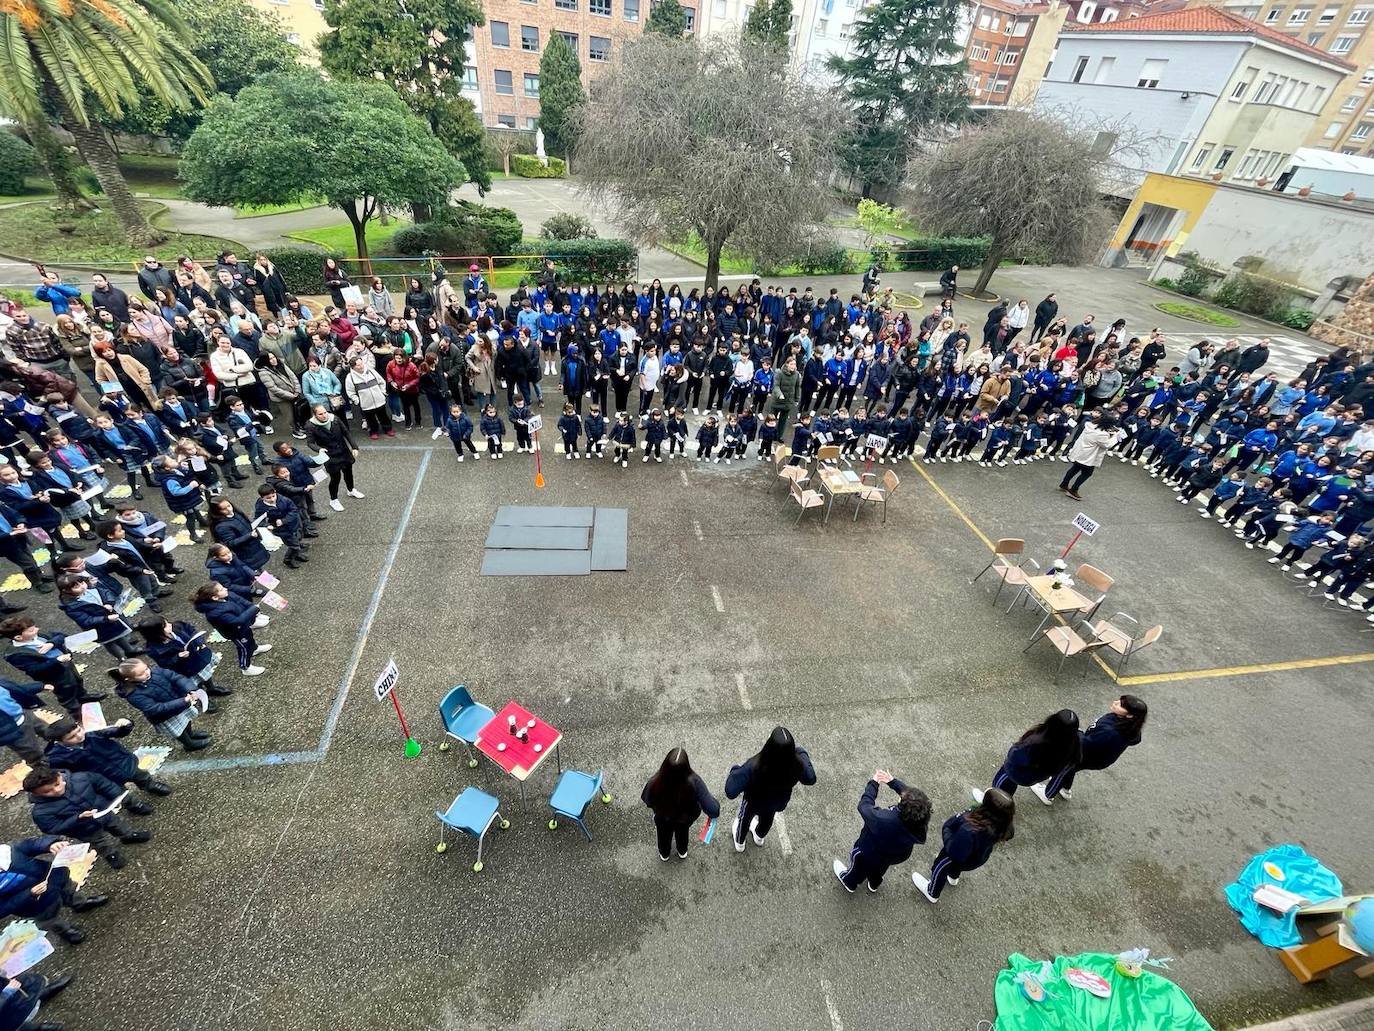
x: 293, y: 880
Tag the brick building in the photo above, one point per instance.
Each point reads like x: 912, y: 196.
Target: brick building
x: 1009, y: 47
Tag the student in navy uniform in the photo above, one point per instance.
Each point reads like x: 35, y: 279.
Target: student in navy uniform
x: 283, y: 520
x: 30, y: 889
x: 677, y: 432
x: 766, y: 780
x: 1310, y: 531
x: 570, y: 428
x: 940, y: 430
x: 120, y: 446
x: 459, y: 429
x: 707, y: 436
x: 182, y: 649
x: 655, y: 430
x: 45, y: 658
x: 183, y: 494
x: 301, y: 468
x: 519, y: 416
x: 1103, y: 743
x: 493, y: 429
x: 34, y: 509
x: 237, y: 576
x: 1205, y: 477
x: 63, y: 491
x: 801, y: 439
x: 74, y: 748
x: 60, y: 801
x: 235, y: 618
x: 1226, y: 490
x: 128, y: 561
x: 89, y: 608
x: 968, y: 839
x: 677, y: 796
x: 230, y: 526
x: 280, y: 481
x: 220, y: 449
x: 888, y: 835
x: 748, y: 428
x: 595, y: 425
x: 731, y: 438
x: 1041, y: 753
x: 623, y: 437
x: 165, y: 698
x: 22, y: 997
x: 16, y: 728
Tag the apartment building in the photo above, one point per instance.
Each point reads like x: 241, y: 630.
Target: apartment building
x: 1197, y: 92
x: 1010, y: 45
x: 1341, y: 28
x: 302, y: 21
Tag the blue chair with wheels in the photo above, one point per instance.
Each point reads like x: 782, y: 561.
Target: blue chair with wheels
x: 471, y: 813
x: 573, y: 794
x: 463, y: 719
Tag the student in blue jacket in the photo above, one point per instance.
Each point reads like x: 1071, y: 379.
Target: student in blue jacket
x: 231, y: 527
x: 301, y: 469
x: 967, y: 842
x: 30, y: 889
x: 655, y: 432
x: 165, y: 698
x: 73, y: 747
x: 623, y: 437
x: 766, y: 780
x: 237, y: 576
x: 235, y: 619
x: 888, y: 835
x: 182, y: 649
x: 284, y: 520
x: 60, y: 803
x: 459, y: 429
x: 1102, y: 744
x: 677, y: 796
x: 1041, y: 753
x: 1228, y: 488
x: 594, y: 423
x: 46, y: 658
x: 494, y: 430
x: 570, y: 428
x: 82, y: 600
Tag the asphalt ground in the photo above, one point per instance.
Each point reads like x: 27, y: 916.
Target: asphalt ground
x: 308, y: 894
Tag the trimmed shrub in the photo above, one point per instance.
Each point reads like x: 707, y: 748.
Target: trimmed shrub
x: 588, y: 260
x: 302, y: 267
x: 1193, y: 281
x: 523, y: 139
x: 527, y: 166
x: 1296, y: 318
x: 16, y: 161
x: 461, y: 230
x: 1255, y: 295
x: 828, y: 258
x: 567, y: 226
x: 1165, y: 283
x: 940, y: 252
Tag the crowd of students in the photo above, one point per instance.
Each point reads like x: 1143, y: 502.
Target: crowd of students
x: 1046, y: 759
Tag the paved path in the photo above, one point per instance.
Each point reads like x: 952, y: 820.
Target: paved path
x: 1353, y: 1016
x: 260, y: 231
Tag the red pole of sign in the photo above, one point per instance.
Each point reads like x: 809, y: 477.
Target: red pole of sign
x: 1071, y: 544
x: 400, y: 715
x: 868, y: 465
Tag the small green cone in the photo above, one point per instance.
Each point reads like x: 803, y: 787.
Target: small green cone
x: 412, y: 748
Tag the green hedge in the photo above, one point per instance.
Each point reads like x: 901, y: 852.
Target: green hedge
x: 461, y: 230
x: 588, y: 260
x: 16, y: 161
x: 940, y: 252
x: 528, y: 167
x: 524, y: 140
x: 302, y: 267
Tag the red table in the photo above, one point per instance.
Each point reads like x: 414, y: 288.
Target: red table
x: 519, y: 759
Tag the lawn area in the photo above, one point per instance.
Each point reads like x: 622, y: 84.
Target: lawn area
x: 905, y: 230
x: 1196, y: 313
x: 255, y: 210
x: 732, y: 264
x: 339, y: 238
x: 152, y: 174
x: 36, y: 187
x: 29, y: 231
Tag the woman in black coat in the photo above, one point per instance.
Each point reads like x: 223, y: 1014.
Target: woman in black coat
x: 1045, y: 312
x: 335, y: 279
x: 328, y: 433
x: 677, y: 797
x: 233, y: 529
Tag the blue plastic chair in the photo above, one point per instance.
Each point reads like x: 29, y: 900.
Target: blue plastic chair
x: 471, y: 813
x: 573, y: 794
x: 463, y: 719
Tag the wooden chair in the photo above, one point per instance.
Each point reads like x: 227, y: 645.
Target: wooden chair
x: 805, y: 499
x: 794, y: 475
x: 1096, y: 581
x: 1007, y: 571
x: 874, y: 494
x: 828, y: 455
x: 1123, y: 641
x: 1067, y: 642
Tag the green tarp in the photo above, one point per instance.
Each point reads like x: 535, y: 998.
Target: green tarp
x: 1145, y: 1003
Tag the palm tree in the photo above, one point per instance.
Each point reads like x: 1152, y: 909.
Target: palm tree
x: 71, y: 53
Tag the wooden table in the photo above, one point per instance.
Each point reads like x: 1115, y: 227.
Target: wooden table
x: 1054, y: 602
x: 518, y: 758
x: 838, y: 481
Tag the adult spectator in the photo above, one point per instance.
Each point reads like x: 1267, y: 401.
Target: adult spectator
x: 1045, y: 313
x: 269, y: 282
x: 55, y: 292
x: 335, y: 280
x: 233, y: 370
x: 1108, y: 382
x: 328, y: 433
x: 366, y: 389
x: 228, y: 290
x: 1254, y: 357
x: 105, y: 294
x: 949, y: 280
x: 37, y: 343
x: 1088, y: 453
x: 786, y: 392
x: 1198, y: 359
x: 153, y: 275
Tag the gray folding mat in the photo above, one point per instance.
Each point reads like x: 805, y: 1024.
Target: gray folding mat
x: 550, y: 541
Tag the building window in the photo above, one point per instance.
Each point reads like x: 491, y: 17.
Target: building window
x: 719, y: 10
x: 1022, y: 27
x: 1328, y: 15
x: 844, y: 32
x: 531, y: 84
x: 1110, y: 14
x: 632, y: 10
x: 570, y: 38
x: 1243, y: 87
x: 1273, y: 16
x: 469, y: 76
x: 1367, y: 79
x: 1086, y: 12
x: 1010, y: 56
x: 1299, y: 15
x: 1079, y: 69
x: 565, y: 5
x: 1201, y: 158
x: 822, y: 25
x: 1314, y: 39
x: 1362, y: 131
x: 999, y: 86
x: 1150, y: 72
x: 1275, y: 162
x: 506, y: 121
x: 1333, y: 130
x: 505, y: 85
x: 1104, y: 69
x: 1359, y: 16
x: 1342, y: 44
x: 1224, y: 157
x: 1244, y: 171
x: 1317, y: 98
x: 1351, y: 102
x: 529, y: 38
x: 691, y: 19
x: 601, y: 7
x: 531, y: 123
x: 599, y: 48
x: 1266, y: 87
x: 979, y: 53
x: 500, y: 34
x: 984, y: 21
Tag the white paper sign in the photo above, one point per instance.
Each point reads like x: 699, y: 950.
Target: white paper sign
x: 1086, y: 525
x: 875, y: 442
x: 534, y: 423
x: 386, y: 682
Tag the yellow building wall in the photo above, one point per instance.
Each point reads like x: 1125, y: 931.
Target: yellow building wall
x: 1168, y: 191
x: 300, y: 19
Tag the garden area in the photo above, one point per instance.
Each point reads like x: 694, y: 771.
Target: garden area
x: 33, y: 231
x: 1244, y: 290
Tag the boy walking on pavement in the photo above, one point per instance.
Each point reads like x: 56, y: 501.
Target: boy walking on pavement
x: 888, y: 835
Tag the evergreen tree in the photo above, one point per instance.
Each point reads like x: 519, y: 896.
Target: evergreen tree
x: 667, y: 18
x: 560, y: 95
x: 905, y: 79
x: 769, y: 23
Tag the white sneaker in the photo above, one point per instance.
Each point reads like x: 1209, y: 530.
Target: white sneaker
x: 262, y: 648
x: 460, y: 458
x: 1274, y: 561
x: 477, y: 456
x: 663, y: 857
x: 356, y: 494
x: 335, y: 504
x: 952, y: 881
x: 624, y: 463
x: 923, y: 885
x: 1283, y: 568
x: 1063, y: 793
x: 840, y: 870
x: 569, y: 456
x: 253, y: 671
x: 734, y: 834
x: 438, y: 432
x: 977, y: 794
x: 645, y: 458
x: 1038, y: 790
x: 261, y: 622
x: 753, y: 832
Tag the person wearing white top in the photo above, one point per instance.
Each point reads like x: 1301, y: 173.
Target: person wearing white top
x: 1018, y: 318
x: 649, y: 369
x: 741, y: 382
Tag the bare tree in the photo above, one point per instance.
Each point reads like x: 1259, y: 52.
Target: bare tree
x: 722, y: 140
x: 1028, y: 182
x: 506, y: 144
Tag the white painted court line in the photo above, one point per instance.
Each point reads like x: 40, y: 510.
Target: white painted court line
x: 783, y: 840
x: 715, y: 596
x: 696, y: 528
x: 836, y: 1024
x: 683, y: 474
x: 743, y: 691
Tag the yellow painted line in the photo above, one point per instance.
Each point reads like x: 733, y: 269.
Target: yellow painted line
x: 1239, y: 671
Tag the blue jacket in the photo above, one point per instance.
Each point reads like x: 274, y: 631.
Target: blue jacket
x: 595, y: 425
x: 167, y: 654
x: 741, y: 778
x: 1228, y: 489
x: 1307, y: 533
x: 801, y: 438
x: 89, y: 614
x: 62, y: 815
x: 238, y: 533
x: 885, y: 840
x: 99, y: 753
x: 968, y: 847
x: 180, y: 490
x: 26, y: 871
x: 236, y: 575
x: 492, y: 426
x: 1104, y: 742
x: 230, y: 615
x: 45, y: 667
x: 33, y: 511
x: 162, y: 696
x: 623, y: 433
x: 283, y: 518
x: 458, y: 429
x: 1260, y: 440
x: 655, y: 432
x: 299, y: 466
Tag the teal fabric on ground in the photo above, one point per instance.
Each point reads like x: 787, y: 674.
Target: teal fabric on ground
x: 1145, y: 1003
x: 1303, y: 876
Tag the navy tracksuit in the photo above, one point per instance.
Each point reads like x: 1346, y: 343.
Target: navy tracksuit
x: 1103, y: 744
x: 883, y: 842
x: 762, y: 807
x: 965, y: 847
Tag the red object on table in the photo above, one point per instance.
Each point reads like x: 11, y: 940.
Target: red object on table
x: 519, y: 758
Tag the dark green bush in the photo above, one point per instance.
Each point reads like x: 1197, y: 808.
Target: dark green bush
x: 524, y: 144
x: 527, y: 166
x: 1165, y: 283
x: 588, y: 261
x: 826, y: 259
x: 301, y: 268
x: 567, y: 226
x: 940, y: 252
x: 16, y: 161
x: 1255, y: 295
x: 1296, y: 317
x: 1193, y: 281
x: 461, y: 230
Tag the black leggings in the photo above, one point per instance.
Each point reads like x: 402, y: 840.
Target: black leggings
x: 1077, y: 475
x: 379, y: 419
x: 410, y: 405
x: 335, y: 472
x: 670, y: 834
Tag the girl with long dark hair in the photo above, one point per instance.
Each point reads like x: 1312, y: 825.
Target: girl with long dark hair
x: 766, y: 780
x: 1041, y: 753
x: 1103, y: 744
x: 677, y: 797
x: 968, y: 840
